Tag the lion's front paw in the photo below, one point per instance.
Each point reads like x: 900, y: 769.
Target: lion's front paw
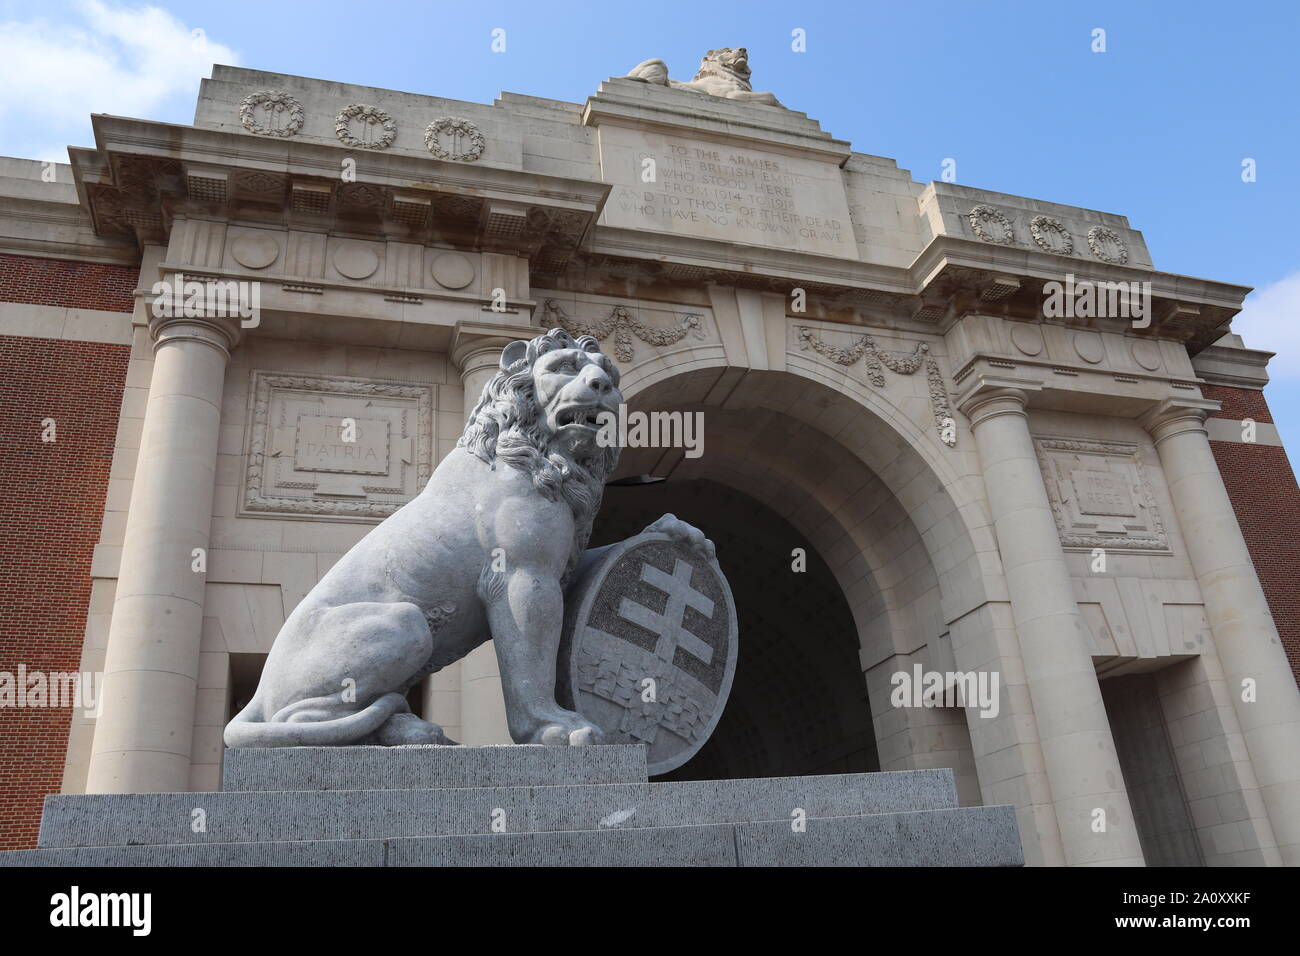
x: 687, y: 534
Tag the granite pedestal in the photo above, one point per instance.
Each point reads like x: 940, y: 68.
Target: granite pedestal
x: 519, y: 806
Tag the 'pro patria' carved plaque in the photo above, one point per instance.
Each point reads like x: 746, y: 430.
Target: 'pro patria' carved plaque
x: 345, y: 447
x: 1100, y: 495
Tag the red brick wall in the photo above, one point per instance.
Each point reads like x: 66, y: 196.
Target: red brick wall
x: 1266, y: 498
x: 78, y: 285
x: 51, y: 506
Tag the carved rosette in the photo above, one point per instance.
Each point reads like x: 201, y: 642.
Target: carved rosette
x: 1107, y: 245
x: 1050, y: 235
x: 284, y: 115
x: 901, y: 363
x: 624, y: 326
x: 991, y: 225
x: 369, y: 117
x: 464, y: 141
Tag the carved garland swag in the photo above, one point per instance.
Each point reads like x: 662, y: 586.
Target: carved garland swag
x: 901, y: 363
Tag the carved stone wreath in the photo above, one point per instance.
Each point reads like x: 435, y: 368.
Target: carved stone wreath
x: 1098, y: 236
x: 980, y: 218
x: 457, y: 129
x: 273, y: 103
x: 1041, y: 226
x: 624, y: 326
x: 369, y: 116
x: 901, y: 363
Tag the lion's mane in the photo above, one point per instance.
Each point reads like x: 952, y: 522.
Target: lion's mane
x: 713, y: 65
x: 508, y: 425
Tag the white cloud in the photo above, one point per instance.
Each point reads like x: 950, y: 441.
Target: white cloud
x: 131, y: 61
x: 1270, y: 320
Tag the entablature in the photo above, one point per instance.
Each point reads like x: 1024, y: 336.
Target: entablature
x: 142, y: 175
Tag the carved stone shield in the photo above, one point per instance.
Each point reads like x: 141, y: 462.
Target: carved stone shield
x: 649, y: 647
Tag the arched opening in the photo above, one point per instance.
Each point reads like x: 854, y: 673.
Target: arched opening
x: 799, y: 702
x: 857, y: 474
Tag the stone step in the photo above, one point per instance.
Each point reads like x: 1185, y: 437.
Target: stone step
x: 429, y: 767
x: 80, y: 820
x: 970, y: 836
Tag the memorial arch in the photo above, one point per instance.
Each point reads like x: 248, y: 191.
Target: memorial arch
x: 880, y: 384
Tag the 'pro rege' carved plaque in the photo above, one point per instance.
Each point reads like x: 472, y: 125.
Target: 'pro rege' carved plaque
x: 1100, y: 495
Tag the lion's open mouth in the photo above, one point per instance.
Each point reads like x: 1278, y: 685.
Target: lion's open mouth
x: 584, y: 416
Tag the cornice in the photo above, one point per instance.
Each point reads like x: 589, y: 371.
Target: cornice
x: 1233, y: 366
x: 145, y: 173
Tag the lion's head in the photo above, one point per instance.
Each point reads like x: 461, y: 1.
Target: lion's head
x: 726, y: 62
x: 538, y: 414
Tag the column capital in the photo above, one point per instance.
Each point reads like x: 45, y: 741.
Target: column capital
x: 219, y: 332
x: 471, y: 339
x: 1176, y: 416
x: 989, y: 396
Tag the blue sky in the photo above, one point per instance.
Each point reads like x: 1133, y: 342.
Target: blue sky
x: 1155, y: 128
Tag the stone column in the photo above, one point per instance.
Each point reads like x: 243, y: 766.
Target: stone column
x: 1247, y: 641
x: 144, y: 731
x: 476, y: 351
x: 1078, y: 749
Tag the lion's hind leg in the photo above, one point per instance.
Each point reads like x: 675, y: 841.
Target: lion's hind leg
x: 767, y: 99
x: 650, y: 71
x: 348, y: 685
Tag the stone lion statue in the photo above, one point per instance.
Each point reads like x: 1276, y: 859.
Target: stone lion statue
x: 483, y: 552
x: 722, y: 72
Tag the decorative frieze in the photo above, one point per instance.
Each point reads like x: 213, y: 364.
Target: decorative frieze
x: 623, y: 325
x: 991, y: 224
x: 1100, y: 495
x: 336, y: 446
x: 902, y: 363
x: 360, y: 126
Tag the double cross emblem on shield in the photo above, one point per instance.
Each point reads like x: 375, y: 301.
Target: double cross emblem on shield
x: 649, y: 653
x: 670, y: 625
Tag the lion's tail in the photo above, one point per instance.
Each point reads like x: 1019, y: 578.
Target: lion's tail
x: 246, y: 731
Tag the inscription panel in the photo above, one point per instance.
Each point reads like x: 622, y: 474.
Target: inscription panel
x: 1103, y: 493
x: 715, y: 191
x: 1100, y: 495
x: 347, y: 445
x: 343, y: 447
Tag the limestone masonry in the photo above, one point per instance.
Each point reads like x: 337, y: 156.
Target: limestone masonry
x: 942, y: 427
